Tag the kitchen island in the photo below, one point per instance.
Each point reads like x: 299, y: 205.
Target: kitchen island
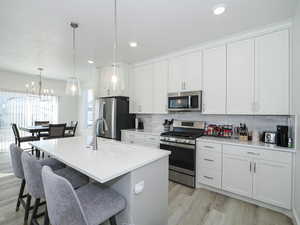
x: 139, y: 173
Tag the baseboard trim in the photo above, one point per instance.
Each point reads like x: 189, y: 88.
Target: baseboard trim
x: 296, y: 218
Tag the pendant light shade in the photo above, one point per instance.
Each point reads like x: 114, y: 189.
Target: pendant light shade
x: 73, y: 86
x: 73, y: 83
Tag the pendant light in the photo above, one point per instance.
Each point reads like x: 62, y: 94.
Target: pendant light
x: 73, y: 83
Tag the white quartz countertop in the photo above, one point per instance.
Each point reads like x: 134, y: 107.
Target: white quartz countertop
x: 232, y: 141
x: 111, y: 160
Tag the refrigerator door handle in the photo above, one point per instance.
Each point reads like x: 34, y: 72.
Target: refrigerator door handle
x: 105, y: 126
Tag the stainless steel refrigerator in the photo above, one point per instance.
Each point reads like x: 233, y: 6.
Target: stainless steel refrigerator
x: 113, y: 116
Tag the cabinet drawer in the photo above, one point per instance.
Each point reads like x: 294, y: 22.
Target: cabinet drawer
x: 210, y: 146
x: 209, y: 159
x: 209, y: 177
x: 283, y: 157
x: 276, y: 156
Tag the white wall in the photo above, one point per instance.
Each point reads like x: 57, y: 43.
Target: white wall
x: 92, y: 83
x: 67, y: 105
x: 296, y: 94
x: 67, y: 109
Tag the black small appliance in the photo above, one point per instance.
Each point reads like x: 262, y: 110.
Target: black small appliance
x: 282, y: 137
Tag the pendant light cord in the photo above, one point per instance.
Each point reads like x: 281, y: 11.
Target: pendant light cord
x: 115, y: 47
x: 40, y: 83
x: 74, y: 53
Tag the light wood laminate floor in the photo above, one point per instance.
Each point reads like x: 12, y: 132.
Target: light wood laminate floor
x: 186, y: 206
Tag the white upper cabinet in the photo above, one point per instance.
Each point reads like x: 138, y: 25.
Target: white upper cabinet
x: 141, y: 86
x: 272, y: 73
x: 160, y: 86
x: 107, y: 87
x: 214, y: 80
x: 176, y: 74
x: 105, y: 82
x: 185, y: 72
x: 148, y: 88
x: 240, y: 77
x: 193, y: 76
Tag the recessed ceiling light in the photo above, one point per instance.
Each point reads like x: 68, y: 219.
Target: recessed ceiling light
x: 219, y: 9
x: 90, y: 61
x: 133, y: 44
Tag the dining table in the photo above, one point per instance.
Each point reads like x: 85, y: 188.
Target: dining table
x: 40, y: 128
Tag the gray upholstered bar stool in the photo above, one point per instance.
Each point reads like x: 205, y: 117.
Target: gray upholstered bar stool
x: 32, y: 173
x: 16, y: 163
x: 91, y: 204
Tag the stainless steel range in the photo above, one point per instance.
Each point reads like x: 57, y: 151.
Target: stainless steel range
x: 182, y: 143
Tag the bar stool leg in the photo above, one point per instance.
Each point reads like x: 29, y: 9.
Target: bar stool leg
x: 21, y: 193
x: 35, y: 210
x: 112, y: 220
x: 27, y: 209
x: 46, y: 217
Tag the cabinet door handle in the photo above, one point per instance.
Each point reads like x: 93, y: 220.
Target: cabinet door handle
x: 250, y: 166
x: 253, y: 153
x: 254, y: 169
x: 207, y: 146
x: 209, y: 160
x: 207, y: 177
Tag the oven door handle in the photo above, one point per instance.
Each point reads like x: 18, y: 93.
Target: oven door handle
x: 178, y: 145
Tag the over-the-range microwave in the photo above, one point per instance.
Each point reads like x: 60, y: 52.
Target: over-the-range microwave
x: 185, y: 101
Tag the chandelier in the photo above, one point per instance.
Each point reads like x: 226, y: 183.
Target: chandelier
x: 37, y: 88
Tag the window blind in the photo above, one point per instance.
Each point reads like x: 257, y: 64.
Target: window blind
x: 23, y: 109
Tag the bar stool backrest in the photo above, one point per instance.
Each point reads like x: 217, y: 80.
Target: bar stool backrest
x: 16, y: 161
x: 32, y: 172
x: 63, y: 205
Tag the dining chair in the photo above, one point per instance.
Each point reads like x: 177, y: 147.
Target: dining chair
x: 91, y: 204
x: 56, y: 131
x: 72, y: 132
x: 16, y: 163
x: 32, y: 173
x: 42, y: 123
x: 19, y: 139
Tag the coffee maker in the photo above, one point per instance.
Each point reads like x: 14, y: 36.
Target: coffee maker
x: 282, y: 136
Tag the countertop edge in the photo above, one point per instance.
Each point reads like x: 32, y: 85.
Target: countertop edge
x: 146, y: 162
x: 268, y: 147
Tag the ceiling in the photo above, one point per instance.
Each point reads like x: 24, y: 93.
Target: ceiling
x: 37, y: 33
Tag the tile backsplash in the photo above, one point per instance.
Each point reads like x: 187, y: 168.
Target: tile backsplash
x: 254, y: 122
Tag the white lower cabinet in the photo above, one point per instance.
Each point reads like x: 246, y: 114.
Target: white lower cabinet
x: 272, y: 183
x: 237, y: 177
x: 255, y: 173
x: 137, y: 138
